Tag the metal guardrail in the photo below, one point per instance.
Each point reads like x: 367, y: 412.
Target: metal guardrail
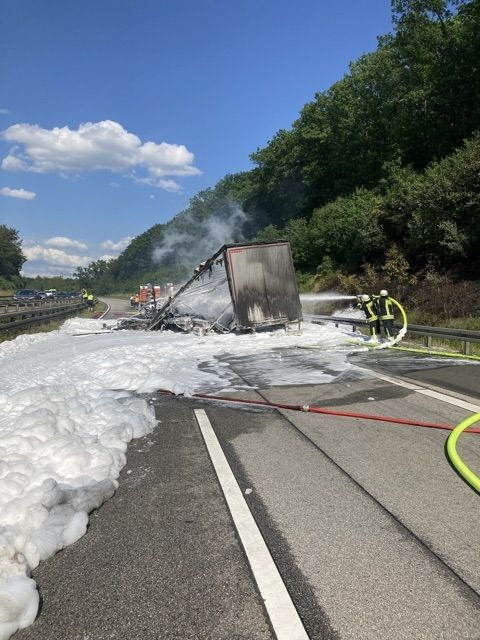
x: 17, y: 314
x: 464, y: 336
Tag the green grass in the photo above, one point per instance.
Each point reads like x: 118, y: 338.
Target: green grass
x: 469, y: 323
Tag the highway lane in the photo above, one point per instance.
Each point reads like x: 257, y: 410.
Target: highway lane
x: 118, y: 307
x: 371, y: 527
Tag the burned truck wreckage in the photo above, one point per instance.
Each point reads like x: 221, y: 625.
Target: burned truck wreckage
x: 241, y: 287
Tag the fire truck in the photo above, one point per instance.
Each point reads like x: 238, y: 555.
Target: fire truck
x: 148, y: 293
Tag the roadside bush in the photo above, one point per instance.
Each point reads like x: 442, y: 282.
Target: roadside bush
x: 348, y: 230
x: 438, y: 298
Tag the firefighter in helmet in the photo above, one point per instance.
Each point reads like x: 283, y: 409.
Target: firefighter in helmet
x: 368, y: 305
x: 385, y: 311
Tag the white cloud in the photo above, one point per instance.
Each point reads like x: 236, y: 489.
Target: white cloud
x: 14, y: 163
x: 60, y: 255
x: 167, y: 185
x: 22, y: 194
x: 56, y: 257
x: 50, y: 261
x: 97, y: 146
x: 117, y: 246
x: 65, y: 243
x: 3, y: 112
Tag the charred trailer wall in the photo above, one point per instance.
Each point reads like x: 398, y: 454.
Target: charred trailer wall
x: 263, y: 285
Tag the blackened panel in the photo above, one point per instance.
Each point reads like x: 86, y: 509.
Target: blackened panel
x: 264, y: 289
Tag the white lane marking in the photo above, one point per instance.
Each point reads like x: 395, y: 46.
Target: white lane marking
x: 429, y: 392
x: 283, y: 616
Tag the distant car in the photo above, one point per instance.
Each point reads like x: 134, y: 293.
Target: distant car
x: 50, y: 293
x: 62, y: 295
x: 23, y: 295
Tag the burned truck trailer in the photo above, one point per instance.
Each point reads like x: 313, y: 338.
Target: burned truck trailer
x: 241, y: 287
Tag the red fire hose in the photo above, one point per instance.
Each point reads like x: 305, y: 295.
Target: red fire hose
x: 332, y: 412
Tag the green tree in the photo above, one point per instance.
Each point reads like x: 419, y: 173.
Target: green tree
x: 348, y: 231
x: 90, y: 276
x: 446, y: 214
x: 11, y: 256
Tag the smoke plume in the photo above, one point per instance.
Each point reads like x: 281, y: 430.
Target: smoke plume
x: 199, y: 239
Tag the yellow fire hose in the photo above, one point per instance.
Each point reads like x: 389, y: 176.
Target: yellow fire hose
x: 466, y: 473
x: 431, y: 352
x: 403, y: 330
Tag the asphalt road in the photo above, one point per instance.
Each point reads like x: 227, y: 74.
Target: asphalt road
x: 118, y: 307
x: 372, y: 531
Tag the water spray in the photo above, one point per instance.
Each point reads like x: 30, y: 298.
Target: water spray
x: 324, y: 297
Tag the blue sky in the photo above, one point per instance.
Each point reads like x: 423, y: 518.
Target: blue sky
x: 114, y: 113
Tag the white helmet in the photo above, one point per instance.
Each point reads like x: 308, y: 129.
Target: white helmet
x: 384, y: 292
x: 365, y: 297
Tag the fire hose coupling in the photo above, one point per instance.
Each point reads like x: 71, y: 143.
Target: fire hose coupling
x: 306, y: 407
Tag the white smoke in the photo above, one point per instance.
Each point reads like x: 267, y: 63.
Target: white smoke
x: 201, y: 238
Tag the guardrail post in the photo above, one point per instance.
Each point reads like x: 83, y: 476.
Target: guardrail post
x: 429, y: 342
x: 466, y: 348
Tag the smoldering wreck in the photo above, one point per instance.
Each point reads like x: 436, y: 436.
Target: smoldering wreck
x: 241, y: 287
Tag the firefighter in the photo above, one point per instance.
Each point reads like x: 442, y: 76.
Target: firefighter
x: 385, y: 311
x: 90, y: 301
x: 84, y: 295
x: 368, y: 305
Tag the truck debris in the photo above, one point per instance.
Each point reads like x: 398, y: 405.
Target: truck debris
x: 243, y: 286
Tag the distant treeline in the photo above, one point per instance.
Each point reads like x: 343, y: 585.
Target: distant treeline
x: 384, y: 165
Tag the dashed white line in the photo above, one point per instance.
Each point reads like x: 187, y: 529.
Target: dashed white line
x: 283, y: 616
